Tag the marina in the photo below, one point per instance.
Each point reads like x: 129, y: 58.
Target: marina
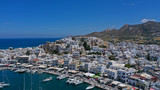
x: 37, y: 82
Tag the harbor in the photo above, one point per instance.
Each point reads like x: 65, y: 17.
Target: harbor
x: 75, y: 65
x: 17, y: 82
x: 35, y: 81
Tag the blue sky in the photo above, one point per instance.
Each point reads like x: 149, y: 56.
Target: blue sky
x: 59, y: 18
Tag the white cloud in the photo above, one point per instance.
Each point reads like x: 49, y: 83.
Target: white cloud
x: 146, y: 20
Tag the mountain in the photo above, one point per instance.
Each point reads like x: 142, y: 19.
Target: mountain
x: 148, y: 32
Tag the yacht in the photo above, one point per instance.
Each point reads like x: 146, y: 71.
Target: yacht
x: 40, y: 72
x: 28, y: 71
x: 33, y: 71
x: 70, y: 81
x: 20, y: 70
x: 77, y: 82
x: 4, y: 84
x: 1, y: 86
x: 60, y: 77
x: 90, y: 87
x: 47, y: 79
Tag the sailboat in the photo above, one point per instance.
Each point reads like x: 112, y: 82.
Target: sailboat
x: 31, y: 81
x: 4, y: 84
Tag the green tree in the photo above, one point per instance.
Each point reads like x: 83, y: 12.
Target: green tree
x: 54, y: 52
x: 28, y: 53
x: 68, y: 46
x: 128, y: 65
x: 148, y: 57
x: 87, y: 47
x: 112, y: 57
x: 82, y: 39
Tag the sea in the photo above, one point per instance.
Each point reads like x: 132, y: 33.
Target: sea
x: 28, y: 81
x: 5, y: 43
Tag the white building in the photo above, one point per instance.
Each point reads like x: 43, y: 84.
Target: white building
x: 72, y: 66
x: 76, y: 54
x: 123, y: 74
x: 111, y: 73
x: 67, y: 61
x: 54, y: 62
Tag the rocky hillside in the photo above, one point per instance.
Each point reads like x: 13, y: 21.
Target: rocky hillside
x: 142, y: 33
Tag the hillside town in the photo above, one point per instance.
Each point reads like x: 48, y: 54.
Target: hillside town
x: 102, y: 64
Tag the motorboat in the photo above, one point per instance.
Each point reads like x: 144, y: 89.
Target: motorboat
x: 1, y: 86
x: 90, y: 87
x: 77, y: 82
x: 20, y: 70
x: 61, y: 77
x: 47, y: 79
x: 28, y: 71
x: 70, y: 81
x: 33, y: 71
x: 40, y: 72
x: 4, y: 84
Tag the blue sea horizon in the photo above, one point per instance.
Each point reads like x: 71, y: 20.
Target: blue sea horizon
x: 5, y: 43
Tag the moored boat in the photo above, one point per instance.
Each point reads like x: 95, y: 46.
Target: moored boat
x: 70, y: 81
x: 90, y: 87
x: 77, y: 82
x: 20, y: 70
x: 5, y: 84
x: 61, y: 77
x: 1, y: 86
x: 47, y: 79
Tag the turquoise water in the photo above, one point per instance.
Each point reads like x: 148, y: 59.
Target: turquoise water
x: 17, y: 82
x: 5, y: 43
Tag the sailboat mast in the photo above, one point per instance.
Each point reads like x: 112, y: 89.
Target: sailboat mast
x: 24, y: 82
x: 31, y: 81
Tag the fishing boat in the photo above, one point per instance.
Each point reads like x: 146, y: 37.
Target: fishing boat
x: 47, y: 79
x: 90, y: 87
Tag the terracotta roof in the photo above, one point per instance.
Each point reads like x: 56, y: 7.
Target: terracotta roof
x: 36, y: 59
x: 137, y: 77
